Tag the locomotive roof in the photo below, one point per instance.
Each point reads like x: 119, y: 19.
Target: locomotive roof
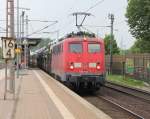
x: 82, y: 39
x: 78, y: 39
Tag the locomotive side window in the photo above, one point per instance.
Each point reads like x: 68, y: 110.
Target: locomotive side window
x: 93, y: 48
x: 75, y: 47
x: 57, y: 49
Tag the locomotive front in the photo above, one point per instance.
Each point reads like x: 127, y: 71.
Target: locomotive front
x: 84, y: 62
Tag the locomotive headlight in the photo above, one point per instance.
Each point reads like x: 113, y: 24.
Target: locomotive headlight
x: 71, y: 67
x: 98, y: 67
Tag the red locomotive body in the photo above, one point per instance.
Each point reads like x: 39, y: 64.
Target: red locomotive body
x: 79, y: 61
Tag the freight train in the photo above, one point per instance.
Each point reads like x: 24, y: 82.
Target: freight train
x: 77, y: 61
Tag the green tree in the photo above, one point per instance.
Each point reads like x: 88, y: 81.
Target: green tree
x: 138, y: 15
x: 115, y: 49
x: 136, y: 47
x: 141, y: 46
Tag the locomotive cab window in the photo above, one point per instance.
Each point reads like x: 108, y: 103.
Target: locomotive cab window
x: 93, y: 48
x: 75, y: 47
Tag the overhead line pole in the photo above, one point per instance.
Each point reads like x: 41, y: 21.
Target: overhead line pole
x: 19, y: 29
x: 22, y: 26
x: 11, y: 36
x: 27, y: 49
x: 111, y: 17
x: 22, y: 38
x: 17, y: 38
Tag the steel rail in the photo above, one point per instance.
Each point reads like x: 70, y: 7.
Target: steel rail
x: 145, y: 95
x: 123, y: 108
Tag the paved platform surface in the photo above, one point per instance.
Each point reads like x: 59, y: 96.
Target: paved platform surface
x: 39, y: 96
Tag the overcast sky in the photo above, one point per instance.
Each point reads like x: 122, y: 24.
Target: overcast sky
x: 61, y: 11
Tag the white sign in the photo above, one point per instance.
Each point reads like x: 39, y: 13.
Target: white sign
x: 8, y: 47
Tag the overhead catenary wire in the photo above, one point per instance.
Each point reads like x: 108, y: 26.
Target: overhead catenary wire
x: 87, y: 29
x: 95, y: 26
x: 93, y: 6
x: 68, y: 24
x: 87, y: 14
x: 31, y: 26
x: 64, y: 26
x: 39, y: 30
x: 38, y: 20
x: 99, y: 2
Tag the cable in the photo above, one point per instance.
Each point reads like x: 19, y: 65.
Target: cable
x: 41, y: 29
x: 41, y: 21
x: 87, y: 29
x: 99, y: 2
x: 72, y: 5
x: 68, y: 24
x: 31, y: 27
x: 95, y: 26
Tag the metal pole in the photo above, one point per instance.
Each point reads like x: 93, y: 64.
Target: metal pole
x: 23, y: 13
x: 27, y: 41
x: 5, y: 93
x: 111, y: 17
x: 27, y: 26
x: 17, y: 38
x: 20, y: 36
x: 6, y: 59
x: 10, y: 34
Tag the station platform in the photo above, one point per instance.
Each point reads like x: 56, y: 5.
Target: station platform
x: 39, y: 96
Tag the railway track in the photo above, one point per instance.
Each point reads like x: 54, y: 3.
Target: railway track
x: 121, y: 102
x: 114, y: 110
x: 134, y: 101
x: 144, y: 95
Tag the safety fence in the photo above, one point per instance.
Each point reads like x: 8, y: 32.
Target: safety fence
x: 133, y: 65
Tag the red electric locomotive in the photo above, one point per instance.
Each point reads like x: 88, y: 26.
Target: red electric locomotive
x: 79, y: 61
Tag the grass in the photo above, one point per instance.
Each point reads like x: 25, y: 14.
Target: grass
x: 125, y: 81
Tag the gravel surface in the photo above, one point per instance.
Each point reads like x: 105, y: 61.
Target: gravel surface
x: 133, y: 91
x: 113, y: 111
x: 134, y: 104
